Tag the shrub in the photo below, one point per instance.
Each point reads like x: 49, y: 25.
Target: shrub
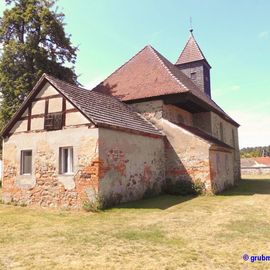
x: 199, y: 187
x: 96, y: 205
x: 185, y: 187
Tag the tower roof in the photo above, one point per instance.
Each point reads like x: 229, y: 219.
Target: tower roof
x: 191, y: 52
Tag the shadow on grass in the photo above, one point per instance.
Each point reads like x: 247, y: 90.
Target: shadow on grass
x: 160, y: 202
x: 249, y: 187
x: 245, y: 187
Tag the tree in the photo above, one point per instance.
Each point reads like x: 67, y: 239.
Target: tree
x: 33, y: 41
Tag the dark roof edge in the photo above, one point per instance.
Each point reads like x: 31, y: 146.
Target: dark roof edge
x: 130, y: 130
x: 40, y: 83
x: 229, y: 119
x: 206, y: 137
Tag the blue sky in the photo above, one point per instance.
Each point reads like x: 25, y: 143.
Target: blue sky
x: 234, y: 36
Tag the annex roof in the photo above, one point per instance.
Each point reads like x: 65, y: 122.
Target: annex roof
x: 204, y: 136
x: 100, y: 109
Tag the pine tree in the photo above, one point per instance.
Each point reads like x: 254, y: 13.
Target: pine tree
x: 33, y: 41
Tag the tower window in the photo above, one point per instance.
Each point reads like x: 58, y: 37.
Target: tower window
x: 193, y: 75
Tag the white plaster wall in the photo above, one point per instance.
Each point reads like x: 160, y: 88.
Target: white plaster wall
x: 19, y: 126
x: 76, y: 118
x: 47, y: 90
x: 55, y: 105
x: 38, y: 107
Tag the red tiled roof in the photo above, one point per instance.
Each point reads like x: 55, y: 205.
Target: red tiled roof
x: 255, y: 162
x: 150, y: 74
x: 263, y: 160
x: 191, y: 52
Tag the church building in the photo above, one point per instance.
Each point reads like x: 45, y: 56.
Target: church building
x: 149, y: 123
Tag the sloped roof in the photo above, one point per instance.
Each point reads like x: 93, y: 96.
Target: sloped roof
x: 206, y: 137
x: 101, y: 109
x: 150, y: 74
x: 191, y: 52
x: 263, y: 160
x: 255, y: 162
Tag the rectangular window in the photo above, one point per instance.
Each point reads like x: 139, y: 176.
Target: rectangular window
x: 66, y: 160
x: 53, y: 121
x: 26, y: 162
x: 193, y: 75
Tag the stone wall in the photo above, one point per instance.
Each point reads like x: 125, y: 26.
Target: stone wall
x: 177, y: 115
x: 203, y: 121
x: 222, y: 170
x: 229, y: 136
x: 255, y: 171
x: 46, y: 186
x: 187, y: 156
x: 132, y: 166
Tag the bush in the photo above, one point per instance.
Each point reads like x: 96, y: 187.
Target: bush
x: 185, y: 187
x: 94, y: 206
x: 199, y: 187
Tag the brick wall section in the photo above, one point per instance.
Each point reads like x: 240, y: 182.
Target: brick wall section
x: 187, y: 156
x: 46, y: 187
x: 222, y: 170
x: 132, y: 167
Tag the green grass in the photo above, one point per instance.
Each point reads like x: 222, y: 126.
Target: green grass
x: 166, y: 232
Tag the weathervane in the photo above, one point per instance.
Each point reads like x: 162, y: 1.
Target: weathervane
x: 190, y: 24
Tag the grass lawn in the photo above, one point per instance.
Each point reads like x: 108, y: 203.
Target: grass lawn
x: 167, y: 232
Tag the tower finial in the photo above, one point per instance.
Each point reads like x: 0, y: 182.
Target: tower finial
x: 190, y: 24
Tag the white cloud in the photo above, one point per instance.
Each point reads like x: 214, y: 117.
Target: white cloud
x: 254, y: 129
x: 264, y: 34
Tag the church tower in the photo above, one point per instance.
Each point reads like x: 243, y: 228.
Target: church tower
x: 193, y: 63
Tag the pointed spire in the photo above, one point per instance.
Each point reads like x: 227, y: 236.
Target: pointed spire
x: 191, y: 51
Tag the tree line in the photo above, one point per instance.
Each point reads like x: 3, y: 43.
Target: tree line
x: 258, y: 151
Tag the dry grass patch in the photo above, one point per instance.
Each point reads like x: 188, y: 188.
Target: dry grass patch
x: 167, y: 232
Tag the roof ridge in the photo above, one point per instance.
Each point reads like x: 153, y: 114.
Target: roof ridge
x: 62, y: 81
x: 165, y: 66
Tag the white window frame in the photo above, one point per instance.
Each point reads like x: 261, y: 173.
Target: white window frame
x: 22, y: 168
x: 70, y: 167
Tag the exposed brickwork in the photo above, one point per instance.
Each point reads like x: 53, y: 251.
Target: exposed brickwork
x: 189, y: 156
x: 133, y: 166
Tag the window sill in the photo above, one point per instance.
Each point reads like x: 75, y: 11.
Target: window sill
x: 66, y: 174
